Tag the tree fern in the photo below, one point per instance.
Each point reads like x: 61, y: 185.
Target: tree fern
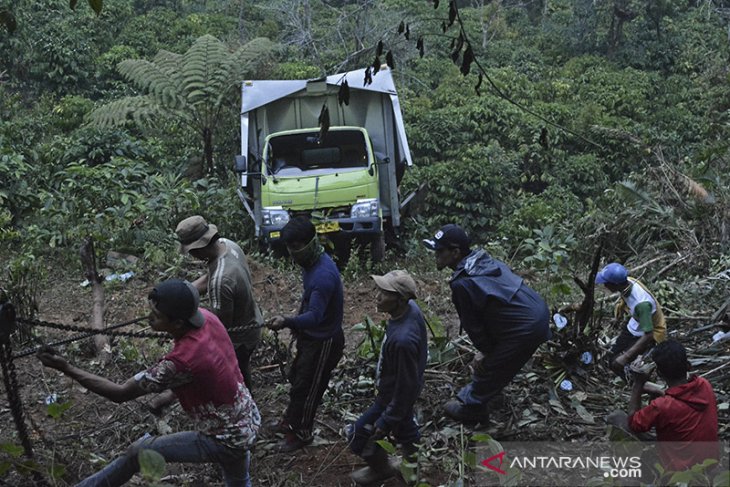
x: 191, y: 87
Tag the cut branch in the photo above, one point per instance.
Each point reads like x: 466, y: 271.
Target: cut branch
x: 96, y: 320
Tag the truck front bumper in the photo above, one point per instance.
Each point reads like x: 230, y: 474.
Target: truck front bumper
x: 347, y: 227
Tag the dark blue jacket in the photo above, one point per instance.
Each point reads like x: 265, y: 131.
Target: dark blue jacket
x: 402, y: 362
x: 320, y: 314
x: 494, y: 304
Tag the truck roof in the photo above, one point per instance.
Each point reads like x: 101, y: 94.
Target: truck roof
x: 256, y: 93
x: 269, y: 106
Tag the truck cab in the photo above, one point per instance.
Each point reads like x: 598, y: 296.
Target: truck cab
x: 344, y: 177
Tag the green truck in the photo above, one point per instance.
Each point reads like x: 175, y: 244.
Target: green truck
x: 333, y: 149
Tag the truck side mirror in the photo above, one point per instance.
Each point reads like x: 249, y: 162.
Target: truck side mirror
x: 240, y: 165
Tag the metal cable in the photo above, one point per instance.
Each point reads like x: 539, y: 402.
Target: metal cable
x: 86, y: 332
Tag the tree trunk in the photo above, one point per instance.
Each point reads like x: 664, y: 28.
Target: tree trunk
x: 241, y: 26
x: 96, y: 320
x: 208, y: 149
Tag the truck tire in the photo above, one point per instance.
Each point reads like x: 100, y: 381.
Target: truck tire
x: 377, y: 248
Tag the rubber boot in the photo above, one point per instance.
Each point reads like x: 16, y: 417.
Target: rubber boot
x: 380, y: 467
x: 469, y: 415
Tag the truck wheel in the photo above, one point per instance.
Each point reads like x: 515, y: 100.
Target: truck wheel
x: 342, y: 247
x: 377, y: 248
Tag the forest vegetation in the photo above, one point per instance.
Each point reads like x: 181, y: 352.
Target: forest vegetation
x: 578, y: 125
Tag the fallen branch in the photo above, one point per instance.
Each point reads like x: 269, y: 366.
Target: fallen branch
x: 96, y: 320
x: 633, y: 270
x: 715, y: 369
x: 672, y: 264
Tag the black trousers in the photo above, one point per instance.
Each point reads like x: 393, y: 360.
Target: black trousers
x: 243, y: 355
x: 309, y: 377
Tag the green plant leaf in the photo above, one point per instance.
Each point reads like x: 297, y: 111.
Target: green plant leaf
x: 57, y: 471
x: 470, y: 459
x: 12, y: 449
x: 56, y: 409
x: 481, y: 437
x: 4, y: 467
x: 684, y: 477
x: 152, y: 465
x: 386, y: 445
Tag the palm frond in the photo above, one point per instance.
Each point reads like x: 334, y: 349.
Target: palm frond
x: 632, y: 192
x: 243, y: 63
x: 150, y: 78
x: 140, y: 109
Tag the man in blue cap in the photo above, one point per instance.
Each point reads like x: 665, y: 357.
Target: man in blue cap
x: 505, y: 319
x: 646, y: 325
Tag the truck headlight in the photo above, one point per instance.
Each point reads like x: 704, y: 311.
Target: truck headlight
x: 365, y: 208
x: 275, y: 216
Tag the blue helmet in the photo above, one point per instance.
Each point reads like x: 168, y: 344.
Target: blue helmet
x: 613, y: 273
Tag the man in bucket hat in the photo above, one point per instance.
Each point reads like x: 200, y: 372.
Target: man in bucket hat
x: 399, y: 379
x: 228, y: 284
x: 201, y: 372
x: 504, y: 318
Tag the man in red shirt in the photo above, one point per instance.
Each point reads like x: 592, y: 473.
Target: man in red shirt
x: 685, y: 417
x: 201, y: 372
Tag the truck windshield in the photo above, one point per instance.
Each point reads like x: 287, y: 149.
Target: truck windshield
x: 294, y: 153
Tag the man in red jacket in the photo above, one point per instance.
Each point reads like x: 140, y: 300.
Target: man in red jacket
x: 685, y: 417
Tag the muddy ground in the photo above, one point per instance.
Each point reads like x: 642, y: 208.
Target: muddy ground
x: 93, y: 431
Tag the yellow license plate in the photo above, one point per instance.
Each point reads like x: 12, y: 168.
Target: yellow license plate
x: 327, y: 227
x: 274, y: 234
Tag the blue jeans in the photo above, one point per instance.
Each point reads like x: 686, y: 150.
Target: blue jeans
x: 406, y: 432
x: 183, y: 447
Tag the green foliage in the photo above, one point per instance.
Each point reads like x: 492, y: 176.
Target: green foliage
x: 56, y: 409
x: 699, y: 474
x: 70, y: 111
x: 11, y: 458
x: 17, y: 195
x: 23, y: 278
x: 152, y: 465
x: 468, y: 190
x: 548, y: 251
x: 191, y: 88
x: 296, y: 70
x: 369, y: 347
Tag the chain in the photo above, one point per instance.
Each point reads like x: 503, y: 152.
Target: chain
x: 78, y: 329
x: 16, y: 406
x: 86, y: 332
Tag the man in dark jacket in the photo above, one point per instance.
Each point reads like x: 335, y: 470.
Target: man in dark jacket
x: 317, y: 329
x: 399, y: 378
x: 504, y: 318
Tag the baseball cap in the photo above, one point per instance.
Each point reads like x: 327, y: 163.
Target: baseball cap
x: 194, y: 233
x: 397, y: 281
x: 449, y: 236
x: 613, y: 273
x: 178, y: 300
